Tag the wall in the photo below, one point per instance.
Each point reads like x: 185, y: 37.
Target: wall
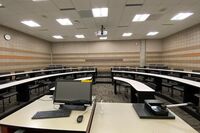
x: 182, y: 50
x: 153, y: 52
x: 103, y: 54
x: 22, y: 52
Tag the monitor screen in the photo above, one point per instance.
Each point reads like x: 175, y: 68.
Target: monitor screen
x: 73, y: 92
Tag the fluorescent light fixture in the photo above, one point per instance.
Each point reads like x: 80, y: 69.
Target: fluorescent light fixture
x: 140, y: 17
x: 30, y: 23
x: 103, y: 38
x: 182, y: 16
x: 152, y: 33
x: 57, y: 37
x: 79, y: 36
x: 127, y: 34
x: 1, y: 5
x: 64, y: 21
x: 100, y: 12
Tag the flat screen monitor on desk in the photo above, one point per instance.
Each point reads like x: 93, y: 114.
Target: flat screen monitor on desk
x: 73, y: 95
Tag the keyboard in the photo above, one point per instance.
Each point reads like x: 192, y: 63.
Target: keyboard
x: 52, y: 114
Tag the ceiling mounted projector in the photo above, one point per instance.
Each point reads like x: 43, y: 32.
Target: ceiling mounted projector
x: 102, y: 32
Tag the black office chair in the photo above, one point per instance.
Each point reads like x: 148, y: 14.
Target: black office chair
x: 194, y: 76
x: 21, y: 76
x: 6, y: 93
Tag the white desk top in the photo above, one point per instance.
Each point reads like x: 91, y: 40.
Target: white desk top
x: 181, y: 80
x: 122, y: 118
x: 84, y: 78
x: 28, y: 72
x: 166, y: 70
x: 10, y: 84
x: 22, y: 117
x: 140, y: 87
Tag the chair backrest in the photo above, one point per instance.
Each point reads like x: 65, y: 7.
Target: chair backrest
x: 179, y: 69
x: 35, y: 69
x: 4, y: 73
x: 21, y: 76
x: 5, y: 79
x: 194, y: 75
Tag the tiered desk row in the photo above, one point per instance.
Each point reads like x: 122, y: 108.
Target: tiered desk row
x: 22, y: 83
x: 98, y: 118
x: 184, y: 81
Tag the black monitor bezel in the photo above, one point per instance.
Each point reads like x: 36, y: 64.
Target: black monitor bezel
x: 69, y: 102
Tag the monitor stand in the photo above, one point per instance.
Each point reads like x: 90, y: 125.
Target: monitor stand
x: 72, y: 107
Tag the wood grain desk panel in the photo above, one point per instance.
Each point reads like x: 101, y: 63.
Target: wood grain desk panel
x: 22, y: 118
x: 122, y: 118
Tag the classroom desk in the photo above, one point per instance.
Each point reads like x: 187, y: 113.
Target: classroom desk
x: 190, y: 87
x: 30, y: 72
x: 22, y: 118
x: 161, y: 71
x: 143, y: 91
x: 122, y: 118
x: 107, y: 118
x: 39, y: 71
x: 22, y: 85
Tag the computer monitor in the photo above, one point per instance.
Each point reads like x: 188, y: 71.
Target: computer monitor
x: 73, y: 92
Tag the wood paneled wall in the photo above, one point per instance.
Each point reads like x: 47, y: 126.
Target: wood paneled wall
x: 102, y: 55
x: 182, y: 50
x: 22, y: 52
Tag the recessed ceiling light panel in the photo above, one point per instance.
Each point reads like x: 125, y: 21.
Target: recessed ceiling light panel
x: 64, y: 21
x: 57, y: 37
x: 100, y: 12
x: 103, y: 38
x: 182, y: 16
x: 127, y: 34
x: 30, y: 23
x: 79, y: 36
x: 140, y: 17
x: 152, y: 33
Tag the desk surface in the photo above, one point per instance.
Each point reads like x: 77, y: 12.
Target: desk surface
x: 136, y: 84
x: 14, y: 83
x: 122, y: 118
x: 181, y: 80
x: 39, y: 71
x: 28, y: 72
x: 166, y: 70
x: 22, y: 117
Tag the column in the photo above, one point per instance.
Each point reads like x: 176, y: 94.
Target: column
x: 143, y: 53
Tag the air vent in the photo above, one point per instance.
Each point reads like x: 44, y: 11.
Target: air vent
x: 154, y: 17
x: 163, y: 9
x: 67, y: 9
x: 167, y: 24
x: 135, y: 5
x: 122, y: 26
x: 81, y: 28
x: 43, y: 29
x: 85, y: 13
